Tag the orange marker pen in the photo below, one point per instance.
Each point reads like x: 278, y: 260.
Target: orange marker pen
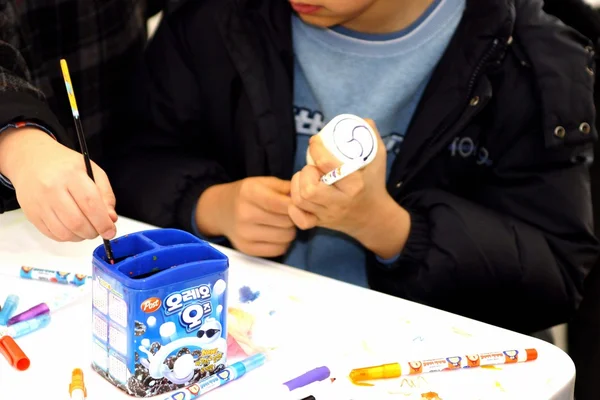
x: 396, y: 370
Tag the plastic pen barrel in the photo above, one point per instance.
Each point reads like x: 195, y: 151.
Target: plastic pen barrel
x: 33, y: 312
x: 9, y: 308
x: 13, y: 353
x: 253, y: 362
x: 27, y: 327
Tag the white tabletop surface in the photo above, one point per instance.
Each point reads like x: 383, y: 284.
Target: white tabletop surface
x: 318, y: 322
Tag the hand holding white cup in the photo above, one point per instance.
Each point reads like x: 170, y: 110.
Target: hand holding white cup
x: 352, y: 141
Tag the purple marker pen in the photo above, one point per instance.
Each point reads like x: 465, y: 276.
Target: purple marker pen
x: 63, y: 300
x: 312, y: 376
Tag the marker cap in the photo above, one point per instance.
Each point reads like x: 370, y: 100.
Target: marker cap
x: 532, y: 354
x: 314, y: 375
x: 13, y: 353
x: 9, y: 308
x: 77, y: 382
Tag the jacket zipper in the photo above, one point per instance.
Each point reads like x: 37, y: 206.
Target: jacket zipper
x: 480, y: 66
x: 471, y: 85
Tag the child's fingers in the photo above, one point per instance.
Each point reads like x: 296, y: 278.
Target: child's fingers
x: 268, y: 193
x: 261, y: 249
x: 251, y: 214
x: 323, y: 159
x: 268, y: 234
x: 380, y: 143
x: 39, y: 223
x: 58, y: 229
x: 93, y: 214
x: 272, y: 202
x: 302, y: 219
x: 298, y: 200
x: 372, y: 124
x: 113, y: 215
x: 106, y: 191
x: 278, y: 185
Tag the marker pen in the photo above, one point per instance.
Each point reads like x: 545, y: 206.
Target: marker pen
x: 47, y: 275
x: 396, y: 370
x: 341, y: 172
x: 231, y: 373
x: 26, y: 327
x: 65, y: 299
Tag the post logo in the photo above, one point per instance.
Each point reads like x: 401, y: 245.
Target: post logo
x: 150, y: 305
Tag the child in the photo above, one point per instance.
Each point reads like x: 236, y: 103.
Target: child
x: 478, y: 201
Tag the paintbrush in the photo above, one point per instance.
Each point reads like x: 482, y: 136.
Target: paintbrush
x: 81, y: 139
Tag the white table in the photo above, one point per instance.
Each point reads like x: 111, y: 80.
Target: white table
x: 318, y: 321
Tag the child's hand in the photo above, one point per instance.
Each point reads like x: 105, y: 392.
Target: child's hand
x: 345, y: 206
x: 53, y: 188
x: 252, y: 213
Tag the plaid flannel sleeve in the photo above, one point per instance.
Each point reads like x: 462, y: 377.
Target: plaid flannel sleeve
x: 21, y: 103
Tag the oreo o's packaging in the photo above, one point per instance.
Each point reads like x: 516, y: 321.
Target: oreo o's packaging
x: 160, y: 312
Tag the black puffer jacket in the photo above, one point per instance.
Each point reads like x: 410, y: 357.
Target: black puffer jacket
x: 493, y: 169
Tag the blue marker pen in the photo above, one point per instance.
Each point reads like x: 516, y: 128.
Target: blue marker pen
x: 231, y: 373
x: 26, y: 327
x: 9, y: 308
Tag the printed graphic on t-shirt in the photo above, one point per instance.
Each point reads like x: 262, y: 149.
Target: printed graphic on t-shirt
x: 310, y: 122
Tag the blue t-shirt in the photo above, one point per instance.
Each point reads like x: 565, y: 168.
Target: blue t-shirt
x: 381, y: 77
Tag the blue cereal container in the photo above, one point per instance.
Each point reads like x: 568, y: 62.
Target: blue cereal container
x: 160, y: 312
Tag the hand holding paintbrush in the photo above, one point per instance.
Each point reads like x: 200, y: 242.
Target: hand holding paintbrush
x: 52, y: 188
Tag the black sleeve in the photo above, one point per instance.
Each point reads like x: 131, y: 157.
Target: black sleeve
x: 515, y: 254
x: 20, y: 100
x: 153, y: 7
x: 163, y: 171
x: 577, y: 14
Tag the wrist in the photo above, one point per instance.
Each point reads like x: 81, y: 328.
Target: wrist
x: 386, y: 230
x: 209, y: 210
x: 14, y: 142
